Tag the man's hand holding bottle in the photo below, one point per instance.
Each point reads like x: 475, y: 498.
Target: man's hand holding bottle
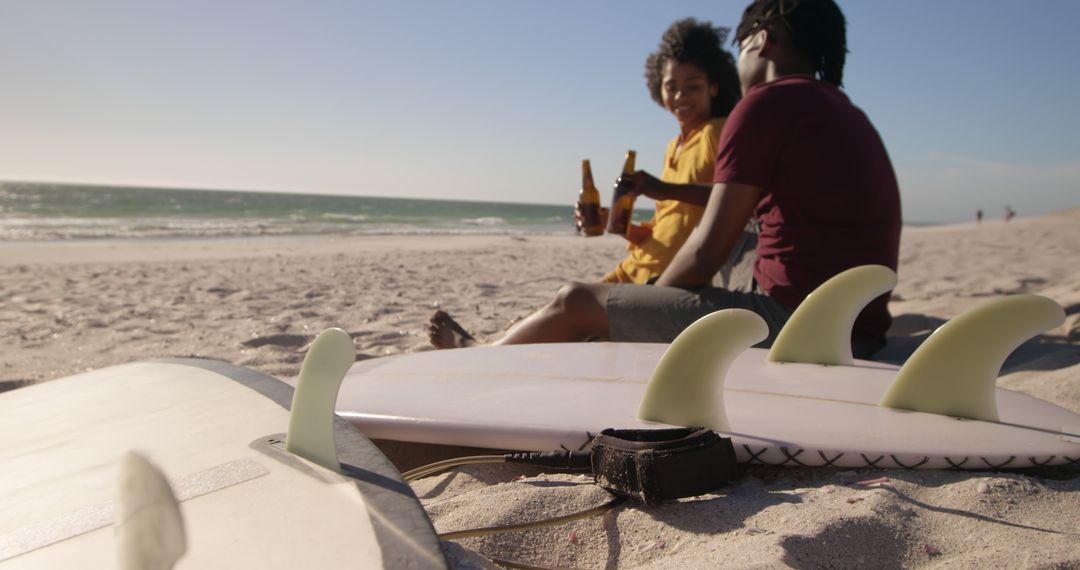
x: 641, y: 183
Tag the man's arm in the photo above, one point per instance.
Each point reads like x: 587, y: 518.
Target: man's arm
x: 696, y: 194
x: 708, y: 247
x: 646, y: 184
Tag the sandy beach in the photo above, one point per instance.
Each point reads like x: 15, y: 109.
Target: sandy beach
x: 69, y: 307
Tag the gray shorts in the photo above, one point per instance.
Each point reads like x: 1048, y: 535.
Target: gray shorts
x: 648, y: 313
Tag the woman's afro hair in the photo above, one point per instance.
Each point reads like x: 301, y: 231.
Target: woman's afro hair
x: 699, y: 43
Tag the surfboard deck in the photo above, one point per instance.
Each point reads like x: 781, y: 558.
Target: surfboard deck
x: 547, y: 396
x: 217, y: 432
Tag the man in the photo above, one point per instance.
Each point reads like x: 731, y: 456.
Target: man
x: 797, y: 155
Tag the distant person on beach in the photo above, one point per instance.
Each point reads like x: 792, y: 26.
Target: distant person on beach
x: 798, y: 156
x: 694, y: 78
x: 1009, y: 213
x: 978, y: 216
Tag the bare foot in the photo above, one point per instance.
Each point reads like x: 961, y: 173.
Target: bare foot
x: 445, y: 332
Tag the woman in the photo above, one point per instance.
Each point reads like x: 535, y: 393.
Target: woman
x: 692, y: 77
x: 695, y: 79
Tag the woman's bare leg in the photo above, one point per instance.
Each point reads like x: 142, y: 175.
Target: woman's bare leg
x: 578, y: 312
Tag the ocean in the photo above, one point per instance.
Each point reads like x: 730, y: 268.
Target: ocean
x: 35, y: 211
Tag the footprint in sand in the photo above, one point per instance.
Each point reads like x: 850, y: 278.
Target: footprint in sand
x: 222, y: 291
x: 282, y: 340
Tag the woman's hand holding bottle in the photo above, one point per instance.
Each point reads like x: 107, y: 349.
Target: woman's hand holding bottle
x: 579, y: 217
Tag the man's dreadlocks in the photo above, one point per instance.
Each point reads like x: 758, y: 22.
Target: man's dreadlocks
x: 817, y: 28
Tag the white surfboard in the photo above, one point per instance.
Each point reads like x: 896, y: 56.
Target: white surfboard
x: 547, y: 396
x: 804, y: 402
x: 217, y: 433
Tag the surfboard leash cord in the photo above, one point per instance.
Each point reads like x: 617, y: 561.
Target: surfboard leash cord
x: 649, y: 466
x: 569, y: 461
x: 484, y: 531
x: 553, y: 521
x: 440, y: 466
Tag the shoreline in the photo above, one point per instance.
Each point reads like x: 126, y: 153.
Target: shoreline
x: 109, y: 250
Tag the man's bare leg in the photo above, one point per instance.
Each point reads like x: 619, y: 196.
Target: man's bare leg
x: 578, y: 312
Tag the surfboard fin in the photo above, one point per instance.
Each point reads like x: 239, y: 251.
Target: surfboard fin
x: 149, y: 528
x: 687, y: 385
x: 954, y: 371
x: 311, y: 421
x: 819, y: 331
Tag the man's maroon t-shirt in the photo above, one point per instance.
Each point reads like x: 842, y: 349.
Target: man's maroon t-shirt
x: 830, y: 199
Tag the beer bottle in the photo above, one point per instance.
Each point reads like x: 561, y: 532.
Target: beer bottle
x: 589, y: 203
x: 622, y: 203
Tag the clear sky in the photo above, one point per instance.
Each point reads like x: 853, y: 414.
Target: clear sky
x: 977, y: 101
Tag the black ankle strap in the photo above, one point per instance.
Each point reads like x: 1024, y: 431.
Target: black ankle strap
x: 653, y: 466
